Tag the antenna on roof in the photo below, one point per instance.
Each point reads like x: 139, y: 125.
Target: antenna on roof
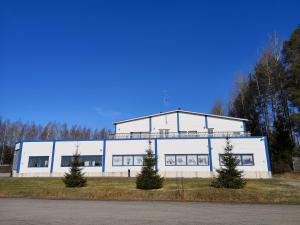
x: 166, y: 104
x: 166, y: 100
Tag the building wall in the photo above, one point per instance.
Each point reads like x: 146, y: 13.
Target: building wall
x: 35, y: 149
x: 184, y: 122
x: 125, y: 147
x: 168, y: 121
x: 190, y: 122
x: 255, y: 146
x: 223, y: 125
x: 251, y: 145
x: 68, y: 148
x: 141, y: 125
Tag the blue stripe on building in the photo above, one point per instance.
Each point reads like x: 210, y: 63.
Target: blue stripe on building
x: 19, y: 157
x: 52, y: 158
x: 267, y: 153
x: 155, y: 152
x: 206, y: 122
x: 103, y: 155
x: 209, y: 154
x: 178, y: 123
x: 150, y: 124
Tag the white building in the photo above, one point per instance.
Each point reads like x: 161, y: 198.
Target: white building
x: 186, y: 144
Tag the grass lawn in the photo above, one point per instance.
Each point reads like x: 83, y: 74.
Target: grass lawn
x: 256, y: 191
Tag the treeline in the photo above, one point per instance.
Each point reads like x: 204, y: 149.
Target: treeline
x: 11, y: 132
x: 270, y: 98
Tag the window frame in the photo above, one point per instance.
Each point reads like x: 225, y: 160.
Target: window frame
x: 186, y: 156
x: 129, y: 155
x: 38, y: 156
x: 71, y: 156
x: 240, y: 157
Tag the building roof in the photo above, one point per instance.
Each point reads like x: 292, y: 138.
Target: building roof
x: 181, y: 111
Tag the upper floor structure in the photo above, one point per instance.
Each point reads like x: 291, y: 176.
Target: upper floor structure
x: 180, y: 124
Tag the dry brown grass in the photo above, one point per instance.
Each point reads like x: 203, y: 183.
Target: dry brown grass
x: 256, y: 191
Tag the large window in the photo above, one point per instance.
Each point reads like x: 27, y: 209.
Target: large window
x: 85, y: 161
x: 38, y: 161
x: 242, y: 159
x: 186, y: 160
x: 128, y: 160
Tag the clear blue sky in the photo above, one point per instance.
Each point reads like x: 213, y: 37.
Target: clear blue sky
x: 93, y: 62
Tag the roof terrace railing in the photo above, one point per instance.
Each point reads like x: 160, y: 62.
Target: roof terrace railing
x: 137, y: 135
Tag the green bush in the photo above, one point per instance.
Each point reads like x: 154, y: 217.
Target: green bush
x: 75, y: 177
x: 148, y: 178
x: 229, y: 176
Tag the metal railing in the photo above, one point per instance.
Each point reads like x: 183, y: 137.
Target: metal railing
x: 137, y: 135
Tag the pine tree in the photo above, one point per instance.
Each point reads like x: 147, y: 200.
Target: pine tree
x: 282, y: 147
x: 75, y: 177
x: 229, y: 176
x: 149, y: 178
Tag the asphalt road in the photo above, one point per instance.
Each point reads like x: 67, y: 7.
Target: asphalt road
x: 46, y: 212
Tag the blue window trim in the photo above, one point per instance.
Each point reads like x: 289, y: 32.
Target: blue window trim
x: 150, y: 124
x: 155, y: 152
x: 19, y: 157
x: 52, y: 157
x: 103, y: 155
x: 267, y: 153
x: 178, y: 123
x: 209, y: 154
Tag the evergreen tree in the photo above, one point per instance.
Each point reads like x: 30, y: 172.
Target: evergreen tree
x: 149, y: 178
x: 291, y: 52
x: 229, y: 176
x: 282, y: 147
x: 75, y: 177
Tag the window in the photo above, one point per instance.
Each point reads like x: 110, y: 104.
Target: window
x: 203, y: 160
x: 192, y: 160
x: 247, y: 160
x: 38, y: 161
x: 128, y: 160
x: 181, y: 160
x: 170, y: 160
x: 243, y: 159
x: 186, y: 160
x: 85, y: 161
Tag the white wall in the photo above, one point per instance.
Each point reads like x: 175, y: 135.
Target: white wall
x: 187, y: 122
x: 68, y: 148
x: 168, y: 121
x: 141, y: 125
x: 190, y: 122
x: 125, y: 147
x: 181, y: 146
x: 220, y: 124
x: 35, y: 149
x: 255, y: 146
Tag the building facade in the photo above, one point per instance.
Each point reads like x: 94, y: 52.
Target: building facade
x: 186, y: 144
